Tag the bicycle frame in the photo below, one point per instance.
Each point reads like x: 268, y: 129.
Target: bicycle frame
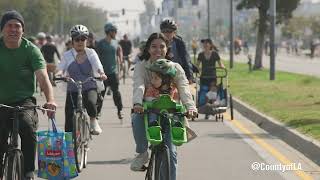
x: 13, y: 144
x: 82, y: 139
x: 156, y: 134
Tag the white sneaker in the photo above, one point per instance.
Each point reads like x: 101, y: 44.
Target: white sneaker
x: 95, y: 128
x: 29, y: 176
x: 138, y: 162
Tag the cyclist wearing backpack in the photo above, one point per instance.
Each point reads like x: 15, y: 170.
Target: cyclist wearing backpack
x: 156, y: 48
x: 178, y: 48
x: 20, y: 62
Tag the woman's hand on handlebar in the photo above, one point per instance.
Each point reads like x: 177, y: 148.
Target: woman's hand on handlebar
x: 192, y: 114
x: 103, y: 77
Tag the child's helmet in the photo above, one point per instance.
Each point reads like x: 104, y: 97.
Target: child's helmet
x: 164, y: 67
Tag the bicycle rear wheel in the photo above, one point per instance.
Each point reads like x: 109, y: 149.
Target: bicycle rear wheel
x: 162, y: 164
x: 13, y: 166
x: 77, y: 134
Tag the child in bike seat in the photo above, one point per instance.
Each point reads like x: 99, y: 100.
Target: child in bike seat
x: 162, y: 80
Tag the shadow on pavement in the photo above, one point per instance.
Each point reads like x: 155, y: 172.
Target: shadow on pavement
x: 121, y: 161
x: 242, y: 136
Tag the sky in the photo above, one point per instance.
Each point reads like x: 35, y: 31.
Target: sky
x: 127, y: 4
x: 134, y: 7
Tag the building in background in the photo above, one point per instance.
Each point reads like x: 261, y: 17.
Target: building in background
x: 192, y: 18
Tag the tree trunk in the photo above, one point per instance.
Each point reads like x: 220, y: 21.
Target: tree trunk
x: 262, y: 28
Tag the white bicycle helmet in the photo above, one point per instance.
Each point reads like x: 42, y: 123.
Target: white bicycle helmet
x: 79, y: 30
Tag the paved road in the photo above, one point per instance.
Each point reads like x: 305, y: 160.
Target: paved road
x: 287, y: 62
x: 222, y: 150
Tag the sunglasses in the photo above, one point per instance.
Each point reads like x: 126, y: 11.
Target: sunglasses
x: 167, y: 31
x: 80, y: 39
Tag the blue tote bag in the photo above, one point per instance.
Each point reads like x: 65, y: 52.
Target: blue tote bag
x: 56, y: 160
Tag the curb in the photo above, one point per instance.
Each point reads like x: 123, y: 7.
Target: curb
x: 306, y: 145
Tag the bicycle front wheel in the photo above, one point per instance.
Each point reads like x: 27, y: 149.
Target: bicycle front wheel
x: 162, y: 164
x: 13, y: 167
x: 77, y: 134
x: 87, y: 138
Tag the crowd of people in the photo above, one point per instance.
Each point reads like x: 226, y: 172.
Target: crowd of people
x: 163, y: 65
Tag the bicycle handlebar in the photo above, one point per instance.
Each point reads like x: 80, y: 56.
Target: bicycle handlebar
x: 161, y: 113
x: 70, y: 79
x: 20, y: 108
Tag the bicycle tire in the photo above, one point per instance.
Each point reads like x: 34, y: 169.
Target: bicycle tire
x: 13, y: 166
x: 77, y: 135
x: 151, y: 166
x: 162, y: 164
x: 86, y: 145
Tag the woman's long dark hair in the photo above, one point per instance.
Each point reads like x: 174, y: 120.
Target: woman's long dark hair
x: 145, y: 55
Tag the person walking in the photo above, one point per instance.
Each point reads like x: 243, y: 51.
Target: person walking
x: 110, y: 54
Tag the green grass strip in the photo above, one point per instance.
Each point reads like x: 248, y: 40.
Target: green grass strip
x: 293, y: 99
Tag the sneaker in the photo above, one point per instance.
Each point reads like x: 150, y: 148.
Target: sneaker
x: 95, y: 128
x: 139, y: 161
x: 98, y: 116
x: 29, y: 176
x: 109, y: 92
x: 120, y: 115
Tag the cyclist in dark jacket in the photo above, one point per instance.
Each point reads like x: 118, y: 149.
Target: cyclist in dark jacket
x: 177, y: 46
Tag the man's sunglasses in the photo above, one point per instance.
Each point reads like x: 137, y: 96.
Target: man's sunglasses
x: 167, y: 31
x: 80, y: 39
x: 111, y: 31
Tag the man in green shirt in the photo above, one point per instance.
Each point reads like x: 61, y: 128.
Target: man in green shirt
x: 110, y: 55
x: 20, y: 62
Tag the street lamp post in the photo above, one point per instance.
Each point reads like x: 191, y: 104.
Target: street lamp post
x: 208, y: 11
x: 272, y: 38
x: 61, y: 17
x: 231, y: 34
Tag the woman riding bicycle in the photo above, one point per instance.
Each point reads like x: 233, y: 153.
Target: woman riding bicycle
x: 156, y: 48
x: 81, y: 63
